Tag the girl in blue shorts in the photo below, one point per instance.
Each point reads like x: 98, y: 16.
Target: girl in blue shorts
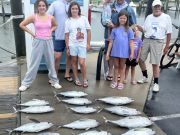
x: 77, y: 37
x: 120, y: 48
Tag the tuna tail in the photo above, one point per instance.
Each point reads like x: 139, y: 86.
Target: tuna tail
x: 15, y: 110
x: 55, y: 95
x: 106, y: 121
x: 9, y: 131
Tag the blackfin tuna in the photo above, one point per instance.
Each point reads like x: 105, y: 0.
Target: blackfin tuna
x: 72, y: 94
x: 95, y: 132
x: 35, y: 102
x: 140, y: 131
x: 115, y: 100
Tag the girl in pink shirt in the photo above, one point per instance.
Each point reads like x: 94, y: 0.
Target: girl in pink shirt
x: 42, y: 45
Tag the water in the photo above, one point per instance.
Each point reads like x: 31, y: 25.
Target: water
x: 7, y: 35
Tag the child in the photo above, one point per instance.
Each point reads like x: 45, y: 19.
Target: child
x: 137, y: 51
x: 121, y: 48
x: 42, y: 44
x: 77, y: 37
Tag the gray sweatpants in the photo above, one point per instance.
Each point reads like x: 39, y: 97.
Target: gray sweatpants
x: 41, y: 47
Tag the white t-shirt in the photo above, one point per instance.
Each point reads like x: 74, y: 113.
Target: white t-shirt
x: 77, y: 29
x: 157, y: 27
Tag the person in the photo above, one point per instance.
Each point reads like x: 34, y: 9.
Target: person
x: 77, y: 37
x: 157, y: 27
x: 120, y: 48
x: 137, y: 51
x: 116, y: 7
x: 105, y: 19
x: 42, y: 44
x: 59, y: 9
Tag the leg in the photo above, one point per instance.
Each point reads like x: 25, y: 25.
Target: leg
x: 122, y: 69
x: 133, y: 75
x: 36, y: 56
x: 126, y: 74
x: 68, y: 67
x: 49, y: 56
x: 57, y: 56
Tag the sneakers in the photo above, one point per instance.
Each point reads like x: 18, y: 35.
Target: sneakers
x: 143, y: 80
x: 56, y: 86
x: 23, y: 88
x: 156, y: 87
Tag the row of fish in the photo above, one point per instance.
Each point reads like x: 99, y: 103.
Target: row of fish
x: 129, y: 122
x: 76, y: 98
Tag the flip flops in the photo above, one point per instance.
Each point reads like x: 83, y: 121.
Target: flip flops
x: 109, y: 78
x: 69, y: 79
x: 77, y: 83
x: 85, y: 84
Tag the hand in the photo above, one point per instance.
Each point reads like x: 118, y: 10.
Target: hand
x: 165, y: 50
x: 107, y: 56
x: 67, y: 51
x: 131, y: 57
x: 88, y: 47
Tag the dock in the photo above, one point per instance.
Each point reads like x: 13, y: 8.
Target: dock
x: 40, y: 89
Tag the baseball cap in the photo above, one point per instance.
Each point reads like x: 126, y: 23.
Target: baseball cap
x: 156, y: 2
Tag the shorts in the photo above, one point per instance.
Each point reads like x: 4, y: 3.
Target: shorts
x: 131, y: 63
x: 59, y: 45
x: 78, y: 51
x: 154, y: 47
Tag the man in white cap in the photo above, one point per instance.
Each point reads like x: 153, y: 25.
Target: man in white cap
x: 157, y: 28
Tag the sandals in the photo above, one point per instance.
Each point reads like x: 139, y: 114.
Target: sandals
x: 109, y: 78
x: 120, y: 86
x: 133, y: 82
x: 77, y: 83
x: 69, y: 79
x: 113, y: 85
x: 85, y: 84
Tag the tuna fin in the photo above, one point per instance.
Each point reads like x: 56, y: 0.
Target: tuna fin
x: 34, y: 120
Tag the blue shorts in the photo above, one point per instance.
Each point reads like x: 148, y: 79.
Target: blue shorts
x: 78, y: 51
x: 59, y: 45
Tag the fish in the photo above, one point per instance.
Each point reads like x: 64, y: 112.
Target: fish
x: 83, y: 109
x: 131, y: 122
x: 35, y: 102
x: 48, y: 133
x: 73, y: 94
x: 122, y: 110
x: 95, y: 132
x: 115, y: 100
x: 82, y: 124
x: 33, y: 127
x: 35, y: 109
x: 77, y: 101
x: 140, y: 131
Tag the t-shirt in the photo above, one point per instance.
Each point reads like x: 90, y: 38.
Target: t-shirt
x: 157, y: 27
x: 121, y: 39
x: 77, y: 29
x: 59, y: 9
x: 137, y: 44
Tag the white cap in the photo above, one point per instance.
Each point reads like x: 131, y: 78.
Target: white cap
x: 156, y: 2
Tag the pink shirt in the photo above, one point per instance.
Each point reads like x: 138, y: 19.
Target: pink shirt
x: 42, y: 28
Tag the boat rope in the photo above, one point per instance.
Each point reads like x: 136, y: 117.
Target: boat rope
x: 11, y: 18
x: 7, y: 50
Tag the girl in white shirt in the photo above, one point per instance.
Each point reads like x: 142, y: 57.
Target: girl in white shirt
x: 77, y: 37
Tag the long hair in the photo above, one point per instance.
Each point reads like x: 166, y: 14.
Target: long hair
x: 37, y: 3
x: 121, y: 13
x: 70, y: 6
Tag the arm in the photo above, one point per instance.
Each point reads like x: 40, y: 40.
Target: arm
x: 54, y: 24
x: 67, y: 43
x: 109, y: 49
x: 139, y: 54
x: 25, y: 22
x: 168, y: 39
x: 131, y: 49
x: 88, y: 38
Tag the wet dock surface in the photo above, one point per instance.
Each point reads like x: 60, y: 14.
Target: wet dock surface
x: 40, y: 89
x: 164, y: 106
x: 9, y: 77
